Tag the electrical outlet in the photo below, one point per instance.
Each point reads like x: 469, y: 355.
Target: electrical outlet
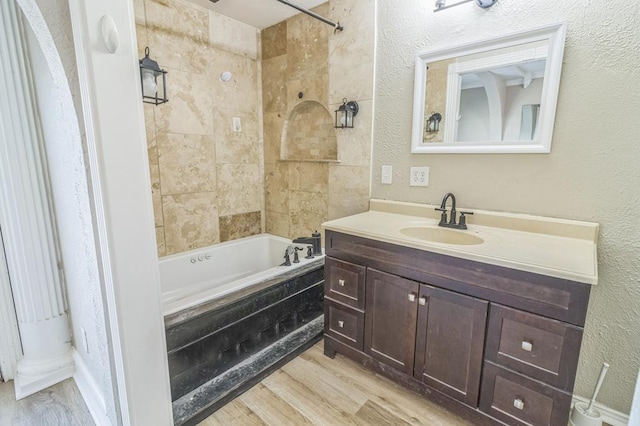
x: 387, y: 173
x: 419, y: 176
x: 85, y: 341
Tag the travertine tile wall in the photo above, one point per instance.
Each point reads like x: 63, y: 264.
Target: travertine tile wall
x: 436, y: 97
x: 305, y: 55
x: 207, y: 180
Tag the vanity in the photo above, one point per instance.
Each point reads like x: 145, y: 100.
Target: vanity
x: 486, y: 321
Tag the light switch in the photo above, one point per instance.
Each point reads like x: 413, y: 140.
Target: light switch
x: 237, y: 124
x: 387, y: 172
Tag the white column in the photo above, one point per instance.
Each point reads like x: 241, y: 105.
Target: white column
x: 27, y: 225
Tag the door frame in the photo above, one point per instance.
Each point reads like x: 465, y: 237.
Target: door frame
x: 10, y: 344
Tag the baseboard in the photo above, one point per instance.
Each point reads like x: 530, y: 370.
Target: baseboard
x: 90, y: 392
x: 34, y: 376
x: 609, y: 415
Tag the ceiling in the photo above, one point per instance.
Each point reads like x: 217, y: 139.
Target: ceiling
x: 257, y: 13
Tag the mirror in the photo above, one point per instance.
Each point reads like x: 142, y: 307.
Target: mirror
x: 493, y: 96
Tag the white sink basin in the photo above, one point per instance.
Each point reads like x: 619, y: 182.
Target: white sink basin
x: 441, y: 235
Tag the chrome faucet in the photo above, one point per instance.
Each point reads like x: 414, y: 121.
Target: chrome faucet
x: 451, y: 223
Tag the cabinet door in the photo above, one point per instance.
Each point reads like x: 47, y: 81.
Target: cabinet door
x: 450, y: 340
x: 390, y: 319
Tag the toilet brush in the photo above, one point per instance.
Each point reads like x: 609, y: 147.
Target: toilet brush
x: 588, y: 415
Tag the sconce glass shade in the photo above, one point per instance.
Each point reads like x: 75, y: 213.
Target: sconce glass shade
x: 433, y: 122
x: 154, y: 90
x: 485, y: 4
x: 345, y: 114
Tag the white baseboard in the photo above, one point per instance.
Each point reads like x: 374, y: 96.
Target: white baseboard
x: 609, y: 415
x: 33, y: 376
x: 90, y: 392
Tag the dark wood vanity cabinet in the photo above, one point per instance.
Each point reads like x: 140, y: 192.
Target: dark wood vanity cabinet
x: 468, y: 335
x: 450, y: 342
x: 390, y: 323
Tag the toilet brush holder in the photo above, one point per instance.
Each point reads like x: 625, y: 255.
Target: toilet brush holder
x: 581, y: 416
x: 584, y: 414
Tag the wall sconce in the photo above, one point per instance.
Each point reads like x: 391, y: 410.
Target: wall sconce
x: 433, y: 122
x: 345, y: 114
x: 485, y: 4
x: 149, y: 73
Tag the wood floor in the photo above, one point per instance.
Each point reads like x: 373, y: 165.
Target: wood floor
x: 59, y: 405
x: 316, y: 390
x: 310, y: 390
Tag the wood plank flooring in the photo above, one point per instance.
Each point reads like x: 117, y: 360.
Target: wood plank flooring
x: 316, y: 390
x: 59, y: 405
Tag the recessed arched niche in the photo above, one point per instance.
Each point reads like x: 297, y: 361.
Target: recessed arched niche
x: 309, y: 134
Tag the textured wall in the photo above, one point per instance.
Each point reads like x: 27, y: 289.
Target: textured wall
x: 305, y: 55
x: 207, y: 180
x: 54, y: 69
x: 591, y: 173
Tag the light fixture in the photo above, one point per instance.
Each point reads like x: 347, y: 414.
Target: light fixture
x: 149, y: 73
x: 485, y: 4
x: 345, y: 114
x: 433, y: 122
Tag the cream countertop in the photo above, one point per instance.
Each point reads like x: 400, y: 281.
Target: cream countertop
x: 554, y: 247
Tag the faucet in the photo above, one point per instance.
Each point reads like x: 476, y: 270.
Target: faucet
x: 451, y: 223
x: 314, y: 240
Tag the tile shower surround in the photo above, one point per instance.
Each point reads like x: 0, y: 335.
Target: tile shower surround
x: 208, y: 182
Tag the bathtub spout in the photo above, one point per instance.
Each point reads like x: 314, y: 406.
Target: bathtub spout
x: 287, y: 259
x: 314, y: 240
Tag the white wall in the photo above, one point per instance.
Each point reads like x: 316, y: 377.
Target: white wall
x: 70, y: 189
x: 118, y: 163
x: 634, y: 417
x: 591, y: 174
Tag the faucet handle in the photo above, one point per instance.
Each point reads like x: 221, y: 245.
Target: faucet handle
x: 463, y: 219
x: 443, y: 216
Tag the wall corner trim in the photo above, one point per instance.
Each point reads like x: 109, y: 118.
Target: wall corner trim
x: 90, y: 391
x: 609, y: 415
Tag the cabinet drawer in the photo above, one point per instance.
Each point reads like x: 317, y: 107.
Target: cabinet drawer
x: 518, y: 400
x: 344, y: 282
x: 539, y: 347
x: 344, y: 324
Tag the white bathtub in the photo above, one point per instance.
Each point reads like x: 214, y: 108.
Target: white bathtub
x: 197, y: 276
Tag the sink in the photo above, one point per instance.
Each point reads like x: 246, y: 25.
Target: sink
x: 441, y: 235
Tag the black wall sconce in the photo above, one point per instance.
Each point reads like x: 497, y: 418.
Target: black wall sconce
x: 433, y: 122
x: 149, y: 73
x: 345, y: 114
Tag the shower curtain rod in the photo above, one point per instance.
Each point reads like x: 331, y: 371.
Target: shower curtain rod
x: 337, y: 26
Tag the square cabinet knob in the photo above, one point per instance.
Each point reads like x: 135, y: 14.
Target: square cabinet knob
x: 527, y: 346
x: 518, y: 403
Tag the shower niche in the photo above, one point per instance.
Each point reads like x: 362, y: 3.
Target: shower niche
x: 309, y: 134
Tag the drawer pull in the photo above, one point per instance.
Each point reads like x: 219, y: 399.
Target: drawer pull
x: 422, y: 301
x: 412, y: 297
x: 341, y: 324
x: 527, y: 345
x: 518, y: 403
x: 341, y: 283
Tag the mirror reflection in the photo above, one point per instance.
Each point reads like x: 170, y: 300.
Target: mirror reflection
x: 489, y: 95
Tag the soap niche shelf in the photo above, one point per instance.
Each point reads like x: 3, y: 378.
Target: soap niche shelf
x: 309, y: 135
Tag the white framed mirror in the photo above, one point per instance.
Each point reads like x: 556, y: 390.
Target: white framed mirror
x: 497, y: 95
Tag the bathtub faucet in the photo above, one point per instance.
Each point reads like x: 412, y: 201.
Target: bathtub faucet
x: 314, y: 240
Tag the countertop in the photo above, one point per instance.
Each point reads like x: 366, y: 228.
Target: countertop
x: 559, y: 248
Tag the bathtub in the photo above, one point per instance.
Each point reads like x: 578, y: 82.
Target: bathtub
x: 198, y: 276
